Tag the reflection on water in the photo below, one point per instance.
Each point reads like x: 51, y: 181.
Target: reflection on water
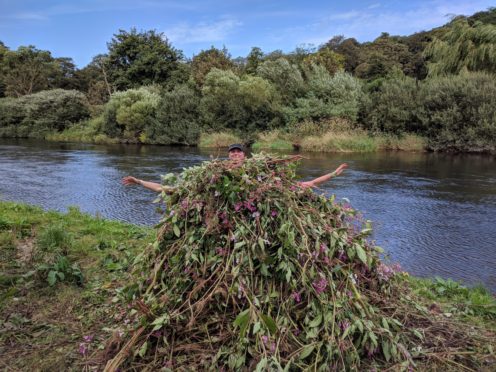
x: 433, y: 213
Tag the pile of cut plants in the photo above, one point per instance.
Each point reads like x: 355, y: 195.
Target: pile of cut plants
x: 251, y: 271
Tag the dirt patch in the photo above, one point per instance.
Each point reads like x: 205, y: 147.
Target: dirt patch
x: 25, y: 250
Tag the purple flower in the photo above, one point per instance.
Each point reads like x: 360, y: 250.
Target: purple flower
x: 327, y: 261
x: 296, y: 296
x: 238, y: 206
x: 296, y: 332
x: 172, y: 212
x: 344, y: 325
x: 386, y: 272
x: 256, y: 214
x: 342, y: 255
x: 323, y: 248
x: 88, y: 338
x: 83, y: 349
x: 221, y: 251
x: 273, y: 213
x: 265, y: 339
x: 249, y: 205
x: 320, y: 285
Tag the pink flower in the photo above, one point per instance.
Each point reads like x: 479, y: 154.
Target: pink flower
x: 238, y: 206
x: 265, y: 339
x: 88, y: 338
x: 221, y: 251
x: 273, y: 213
x: 296, y: 297
x: 344, y: 325
x: 320, y: 285
x: 83, y: 349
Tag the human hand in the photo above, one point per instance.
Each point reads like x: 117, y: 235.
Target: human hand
x: 306, y: 184
x: 129, y: 180
x: 340, y: 169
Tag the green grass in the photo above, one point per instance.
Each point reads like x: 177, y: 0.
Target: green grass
x: 43, y: 325
x: 218, y: 140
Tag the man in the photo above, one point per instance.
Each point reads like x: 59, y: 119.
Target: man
x: 236, y: 153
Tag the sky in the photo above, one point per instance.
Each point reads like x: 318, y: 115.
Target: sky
x: 81, y: 29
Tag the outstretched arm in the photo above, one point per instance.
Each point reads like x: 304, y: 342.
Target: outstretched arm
x: 153, y: 186
x: 324, y: 178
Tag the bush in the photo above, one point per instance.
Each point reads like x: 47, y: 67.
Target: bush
x: 328, y: 96
x: 129, y: 113
x: 244, y: 105
x: 177, y: 118
x: 459, y: 112
x: 38, y: 114
x: 392, y: 107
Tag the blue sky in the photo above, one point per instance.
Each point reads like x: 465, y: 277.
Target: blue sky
x: 80, y: 29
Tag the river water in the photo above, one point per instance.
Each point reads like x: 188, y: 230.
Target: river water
x: 435, y: 214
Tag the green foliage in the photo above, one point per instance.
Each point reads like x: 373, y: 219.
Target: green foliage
x: 140, y: 58
x: 128, y: 114
x: 285, y: 77
x: 37, y: 114
x: 54, y: 238
x: 206, y: 60
x: 330, y: 60
x: 61, y: 271
x: 463, y: 47
x: 254, y: 267
x: 328, y: 96
x: 177, y: 118
x: 392, y: 109
x: 456, y: 113
x: 243, y: 104
x: 459, y: 112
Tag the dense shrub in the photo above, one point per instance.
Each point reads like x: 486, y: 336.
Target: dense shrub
x: 38, y: 114
x: 177, y: 118
x: 245, y: 105
x: 392, y: 108
x: 285, y: 77
x: 459, y: 112
x: 328, y: 96
x: 129, y: 113
x: 454, y: 112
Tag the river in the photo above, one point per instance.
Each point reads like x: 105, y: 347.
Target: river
x: 435, y: 214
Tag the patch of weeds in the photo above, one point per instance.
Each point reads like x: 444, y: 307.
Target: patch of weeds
x: 7, y: 240
x: 54, y: 238
x: 5, y: 224
x: 61, y: 270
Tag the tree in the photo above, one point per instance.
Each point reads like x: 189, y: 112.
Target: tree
x: 330, y: 60
x: 285, y: 77
x: 140, y: 58
x: 208, y: 59
x: 255, y: 57
x: 27, y: 70
x: 350, y: 49
x: 463, y: 47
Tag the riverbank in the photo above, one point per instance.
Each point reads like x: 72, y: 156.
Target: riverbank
x: 333, y: 136
x: 61, y: 273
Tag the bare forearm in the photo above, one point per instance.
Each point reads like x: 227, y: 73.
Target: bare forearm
x: 151, y: 185
x: 322, y: 179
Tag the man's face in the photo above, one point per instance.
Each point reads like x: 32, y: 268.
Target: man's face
x: 236, y: 154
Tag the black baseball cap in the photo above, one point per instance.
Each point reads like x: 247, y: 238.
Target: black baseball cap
x: 236, y: 146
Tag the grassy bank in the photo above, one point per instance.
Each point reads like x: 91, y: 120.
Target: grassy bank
x: 336, y: 136
x: 60, y: 274
x: 326, y: 136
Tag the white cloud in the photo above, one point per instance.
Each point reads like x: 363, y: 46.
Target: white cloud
x: 202, y: 32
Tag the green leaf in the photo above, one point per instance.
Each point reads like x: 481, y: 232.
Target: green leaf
x: 242, y: 321
x: 385, y: 350
x: 52, y: 277
x: 261, y: 365
x: 269, y: 323
x: 177, y: 231
x: 307, y: 350
x: 256, y: 327
x: 361, y: 253
x: 143, y: 348
x: 316, y: 322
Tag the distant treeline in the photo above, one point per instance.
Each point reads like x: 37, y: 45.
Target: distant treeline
x: 439, y: 84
